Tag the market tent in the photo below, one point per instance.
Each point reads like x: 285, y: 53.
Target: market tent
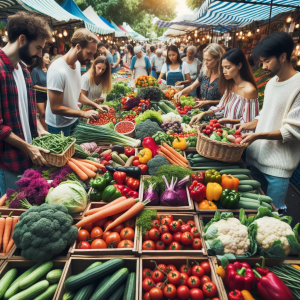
x: 119, y: 31
x: 141, y: 38
x: 71, y: 7
x: 130, y: 30
x: 124, y: 29
x: 106, y: 22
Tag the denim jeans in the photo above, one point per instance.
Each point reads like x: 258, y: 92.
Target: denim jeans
x: 274, y: 187
x: 68, y: 130
x: 7, y: 181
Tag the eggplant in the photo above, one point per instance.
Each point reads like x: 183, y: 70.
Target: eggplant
x: 118, y: 148
x: 134, y: 172
x: 110, y: 168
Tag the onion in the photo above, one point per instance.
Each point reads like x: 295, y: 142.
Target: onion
x: 90, y: 147
x: 169, y: 197
x: 181, y: 191
x: 152, y: 196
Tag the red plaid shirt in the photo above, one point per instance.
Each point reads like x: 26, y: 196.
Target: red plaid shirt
x: 12, y: 158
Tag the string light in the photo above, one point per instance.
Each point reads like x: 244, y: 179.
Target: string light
x: 289, y: 20
x: 6, y: 32
x: 298, y: 63
x: 237, y: 33
x: 229, y: 38
x: 60, y: 35
x: 203, y: 39
x: 297, y: 25
x: 297, y: 47
x: 243, y: 37
x: 65, y: 33
x: 249, y: 33
x: 207, y: 37
x: 241, y: 32
x: 258, y: 30
x: 53, y: 39
x: 198, y: 40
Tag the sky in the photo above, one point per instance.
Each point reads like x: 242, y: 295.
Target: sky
x: 182, y: 9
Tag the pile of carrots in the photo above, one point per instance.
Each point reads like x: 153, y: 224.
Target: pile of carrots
x: 3, y: 199
x: 7, y: 226
x: 173, y: 157
x: 84, y: 168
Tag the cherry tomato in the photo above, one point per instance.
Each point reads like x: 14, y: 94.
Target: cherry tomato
x: 148, y: 245
x: 167, y: 238
x: 113, y: 240
x: 170, y: 291
x: 177, y: 237
x: 195, y: 232
x: 183, y: 292
x: 147, y: 284
x: 98, y: 244
x: 186, y: 238
x: 130, y: 223
x: 209, y: 289
x: 155, y: 224
x: 146, y: 296
x: 146, y: 273
x: 157, y: 276
x: 184, y: 278
x: 191, y: 223
x: 204, y: 279
x: 146, y: 236
x: 171, y: 268
x: 156, y: 293
x: 193, y: 282
x: 163, y: 229
x: 159, y: 245
x: 127, y: 234
x: 186, y: 269
x: 160, y: 285
x: 83, y: 235
x: 96, y: 232
x: 154, y: 234
x: 198, y: 271
x: 105, y: 235
x: 174, y: 246
x: 84, y: 245
x: 166, y: 221
x: 174, y: 226
x: 196, y: 244
x: 196, y: 294
x: 162, y: 268
x: 174, y: 277
x: 185, y: 228
x: 181, y: 222
x: 206, y: 267
x: 88, y: 227
x: 125, y: 244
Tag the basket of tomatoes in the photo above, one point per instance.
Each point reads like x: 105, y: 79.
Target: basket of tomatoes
x: 105, y: 117
x: 125, y: 127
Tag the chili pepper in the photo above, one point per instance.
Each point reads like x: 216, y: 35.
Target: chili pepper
x: 212, y: 175
x: 145, y: 155
x: 108, y: 177
x: 230, y: 198
x: 197, y: 191
x: 230, y: 182
x: 149, y: 143
x: 271, y: 287
x: 129, y: 151
x: 144, y: 169
x: 213, y: 191
x: 235, y: 295
x: 133, y: 194
x: 98, y: 183
x: 247, y: 295
x: 133, y: 183
x: 119, y: 177
x: 262, y: 270
x: 110, y: 193
x: 179, y: 143
x: 198, y: 176
x: 96, y: 196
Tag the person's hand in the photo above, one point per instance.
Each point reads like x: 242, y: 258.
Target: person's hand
x: 43, y: 132
x: 101, y: 99
x: 177, y: 96
x: 197, y: 118
x: 224, y: 121
x: 201, y: 104
x: 103, y: 107
x: 91, y: 114
x: 246, y: 126
x: 249, y: 138
x: 35, y: 155
x: 178, y: 83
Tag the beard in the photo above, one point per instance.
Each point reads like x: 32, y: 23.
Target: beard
x: 272, y: 73
x: 81, y: 59
x: 25, y: 56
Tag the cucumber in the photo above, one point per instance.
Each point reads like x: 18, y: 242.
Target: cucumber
x: 169, y: 103
x: 190, y: 156
x: 48, y: 294
x: 255, y: 184
x: 54, y: 276
x: 201, y: 160
x: 117, y: 159
x: 233, y: 171
x: 245, y: 188
x: 103, y: 281
x: 257, y: 197
x: 117, y: 295
x: 85, y: 292
x: 198, y: 155
x: 216, y: 168
x: 241, y: 177
x: 33, y: 291
x: 166, y: 109
x: 6, y: 280
x: 109, y: 287
x: 38, y: 273
x: 252, y: 204
x: 213, y: 164
x: 96, y: 273
x: 68, y: 295
x: 129, y: 293
x: 93, y: 265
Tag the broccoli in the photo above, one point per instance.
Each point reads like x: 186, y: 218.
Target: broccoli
x: 147, y: 128
x: 154, y: 163
x: 44, y: 231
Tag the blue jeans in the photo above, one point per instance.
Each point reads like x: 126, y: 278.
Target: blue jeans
x: 68, y: 130
x: 7, y: 181
x: 274, y: 187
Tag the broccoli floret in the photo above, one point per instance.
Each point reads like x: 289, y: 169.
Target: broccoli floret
x: 154, y: 163
x: 44, y: 231
x: 147, y: 128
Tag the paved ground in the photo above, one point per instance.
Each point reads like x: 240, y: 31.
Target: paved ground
x: 293, y: 205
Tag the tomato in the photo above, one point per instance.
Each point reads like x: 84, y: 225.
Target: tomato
x: 154, y: 234
x: 98, y: 244
x: 174, y: 246
x: 163, y: 229
x: 167, y: 238
x: 105, y: 235
x: 186, y: 269
x: 196, y: 244
x: 195, y: 232
x: 146, y: 236
x: 206, y: 267
x: 84, y: 245
x: 209, y: 289
x: 125, y: 244
x: 157, y: 276
x: 113, y: 240
x: 135, y: 163
x: 147, y: 284
x: 183, y: 292
x: 238, y: 132
x: 191, y: 223
x: 174, y: 226
x: 107, y: 223
x: 88, y: 227
x: 187, y: 247
x: 171, y: 268
x: 127, y: 234
x: 174, y: 277
x: 204, y: 280
x: 186, y: 238
x: 185, y: 228
x: 146, y: 296
x: 162, y: 268
x: 156, y: 293
x: 160, y: 285
x: 193, y: 282
x: 166, y: 221
x: 83, y: 235
x: 96, y: 232
x: 155, y: 224
x: 198, y: 271
x: 184, y: 278
x: 146, y: 273
x: 196, y: 294
x: 170, y: 291
x: 159, y: 245
x: 130, y: 223
x: 114, y: 217
x: 177, y: 237
x: 148, y: 245
x: 181, y: 222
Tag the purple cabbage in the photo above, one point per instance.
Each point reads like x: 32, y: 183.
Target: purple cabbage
x: 169, y: 197
x: 180, y: 189
x: 152, y: 196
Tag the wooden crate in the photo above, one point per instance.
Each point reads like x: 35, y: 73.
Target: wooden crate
x: 4, y: 210
x: 189, y: 208
x: 1, y: 262
x: 24, y: 265
x: 185, y: 217
x: 177, y: 261
x: 76, y: 265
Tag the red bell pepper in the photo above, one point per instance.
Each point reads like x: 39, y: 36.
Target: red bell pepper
x: 119, y: 187
x: 107, y: 157
x: 133, y: 194
x: 262, y: 270
x: 235, y: 295
x: 271, y: 287
x: 239, y: 276
x: 144, y: 169
x: 129, y: 151
x: 149, y: 143
x: 125, y: 192
x: 198, y: 176
x: 119, y: 177
x: 197, y: 191
x: 133, y: 183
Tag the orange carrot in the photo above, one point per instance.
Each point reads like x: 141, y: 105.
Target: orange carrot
x: 171, y: 161
x: 107, y: 212
x: 11, y: 241
x: 94, y: 210
x: 2, y: 226
x: 3, y: 199
x: 87, y: 171
x: 99, y: 166
x: 78, y: 171
x: 174, y: 158
x: 7, y: 231
x: 89, y: 166
x: 175, y: 153
x: 10, y: 244
x: 130, y: 213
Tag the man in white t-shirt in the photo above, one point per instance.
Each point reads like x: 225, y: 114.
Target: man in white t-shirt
x: 157, y: 62
x: 64, y: 85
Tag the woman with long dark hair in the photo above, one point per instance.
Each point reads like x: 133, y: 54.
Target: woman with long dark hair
x: 177, y: 71
x: 239, y: 103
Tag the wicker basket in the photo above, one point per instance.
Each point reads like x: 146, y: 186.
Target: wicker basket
x: 227, y: 152
x: 59, y: 160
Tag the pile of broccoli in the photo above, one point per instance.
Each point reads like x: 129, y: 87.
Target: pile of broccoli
x: 147, y: 128
x: 156, y: 162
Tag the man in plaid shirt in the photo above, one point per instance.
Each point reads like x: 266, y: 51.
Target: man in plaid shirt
x: 27, y: 35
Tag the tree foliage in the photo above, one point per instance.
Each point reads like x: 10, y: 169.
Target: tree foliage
x: 192, y: 4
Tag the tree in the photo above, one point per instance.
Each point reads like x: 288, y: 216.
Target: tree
x: 192, y: 4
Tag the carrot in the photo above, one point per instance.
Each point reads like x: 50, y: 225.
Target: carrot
x: 3, y: 199
x: 78, y: 171
x: 107, y: 212
x: 99, y: 166
x: 10, y: 244
x: 178, y: 155
x: 94, y: 210
x: 2, y: 226
x: 83, y: 168
x: 174, y: 158
x: 171, y: 161
x: 89, y: 166
x: 11, y: 241
x: 7, y: 231
x: 130, y: 213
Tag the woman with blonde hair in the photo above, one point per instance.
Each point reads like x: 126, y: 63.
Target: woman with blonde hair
x: 97, y: 80
x: 208, y: 79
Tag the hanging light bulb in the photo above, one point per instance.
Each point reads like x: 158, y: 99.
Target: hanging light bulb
x: 297, y: 47
x: 207, y: 37
x: 65, y: 33
x: 237, y: 33
x: 241, y: 32
x: 53, y: 40
x: 229, y: 38
x: 243, y: 37
x: 249, y: 33
x: 6, y: 32
x: 195, y: 34
x: 258, y: 30
x: 289, y: 20
x: 198, y: 40
x: 60, y: 35
x: 298, y: 63
x: 297, y: 26
x: 203, y: 39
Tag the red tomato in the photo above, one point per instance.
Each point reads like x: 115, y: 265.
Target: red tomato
x: 148, y: 245
x: 96, y: 232
x: 183, y: 292
x: 98, y: 244
x: 125, y: 244
x: 105, y: 235
x: 195, y: 232
x: 127, y: 234
x: 162, y: 268
x: 206, y: 267
x: 177, y: 237
x: 157, y: 276
x: 155, y: 224
x: 114, y: 217
x: 186, y: 238
x: 107, y: 223
x: 170, y: 268
x: 83, y: 235
x: 159, y: 245
x: 174, y: 226
x: 154, y: 234
x: 193, y: 282
x: 84, y: 245
x: 186, y: 269
x: 170, y: 291
x: 191, y: 223
x: 167, y: 238
x: 156, y: 293
x: 113, y: 240
x: 196, y: 294
x: 238, y: 132
x: 209, y: 289
x: 163, y: 229
x: 181, y: 222
x: 238, y: 140
x: 204, y: 280
x: 185, y: 228
x: 130, y: 223
x: 147, y: 284
x: 160, y: 285
x: 118, y: 228
x: 198, y: 271
x: 184, y: 278
x: 146, y: 273
x: 146, y: 236
x: 166, y: 221
x: 196, y: 245
x: 88, y: 227
x: 174, y: 246
x: 146, y: 296
x: 174, y: 277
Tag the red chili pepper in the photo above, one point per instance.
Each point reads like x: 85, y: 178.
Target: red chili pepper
x: 119, y: 177
x: 235, y: 295
x: 262, y: 270
x: 199, y: 177
x: 197, y: 191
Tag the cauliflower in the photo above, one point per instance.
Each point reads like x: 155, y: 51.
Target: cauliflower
x: 170, y: 117
x: 187, y: 128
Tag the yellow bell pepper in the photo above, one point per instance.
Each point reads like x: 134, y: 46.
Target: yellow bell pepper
x: 221, y: 272
x: 145, y: 155
x: 179, y: 143
x: 247, y: 295
x: 296, y: 267
x: 213, y: 191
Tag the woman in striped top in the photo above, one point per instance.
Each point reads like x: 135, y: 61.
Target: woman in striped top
x: 239, y: 103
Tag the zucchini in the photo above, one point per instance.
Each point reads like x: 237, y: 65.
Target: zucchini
x: 48, y: 294
x: 245, y: 188
x: 241, y: 176
x: 85, y: 292
x: 197, y: 155
x: 68, y: 295
x: 38, y: 273
x: 166, y: 109
x: 54, y: 276
x: 257, y: 197
x: 233, y: 171
x: 96, y: 273
x: 190, y: 156
x: 117, y: 159
x: 252, y: 204
x: 129, y: 293
x: 117, y: 295
x: 123, y: 157
x: 6, y: 280
x: 33, y: 291
x: 216, y: 168
x: 109, y: 287
x: 213, y: 164
x: 255, y: 184
x: 201, y: 160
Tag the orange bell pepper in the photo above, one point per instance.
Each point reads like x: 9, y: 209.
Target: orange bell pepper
x: 205, y: 204
x: 230, y: 182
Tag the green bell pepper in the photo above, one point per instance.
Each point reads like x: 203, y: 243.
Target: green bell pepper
x: 230, y: 198
x: 108, y: 177
x: 99, y: 183
x: 110, y: 194
x: 212, y: 175
x: 96, y: 196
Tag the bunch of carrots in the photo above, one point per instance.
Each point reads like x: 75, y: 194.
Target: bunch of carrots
x: 84, y: 168
x: 7, y: 226
x: 173, y: 157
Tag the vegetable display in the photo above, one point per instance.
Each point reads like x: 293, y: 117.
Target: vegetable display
x: 7, y: 226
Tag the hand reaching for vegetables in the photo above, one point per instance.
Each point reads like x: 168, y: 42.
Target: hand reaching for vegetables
x: 101, y: 99
x: 249, y: 138
x: 200, y: 104
x: 177, y: 96
x: 197, y: 118
x: 91, y: 114
x: 103, y: 107
x: 35, y: 155
x: 246, y: 126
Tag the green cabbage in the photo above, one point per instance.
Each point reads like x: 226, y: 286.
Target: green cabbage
x: 71, y: 194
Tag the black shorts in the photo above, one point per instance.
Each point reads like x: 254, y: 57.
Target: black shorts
x: 41, y: 97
